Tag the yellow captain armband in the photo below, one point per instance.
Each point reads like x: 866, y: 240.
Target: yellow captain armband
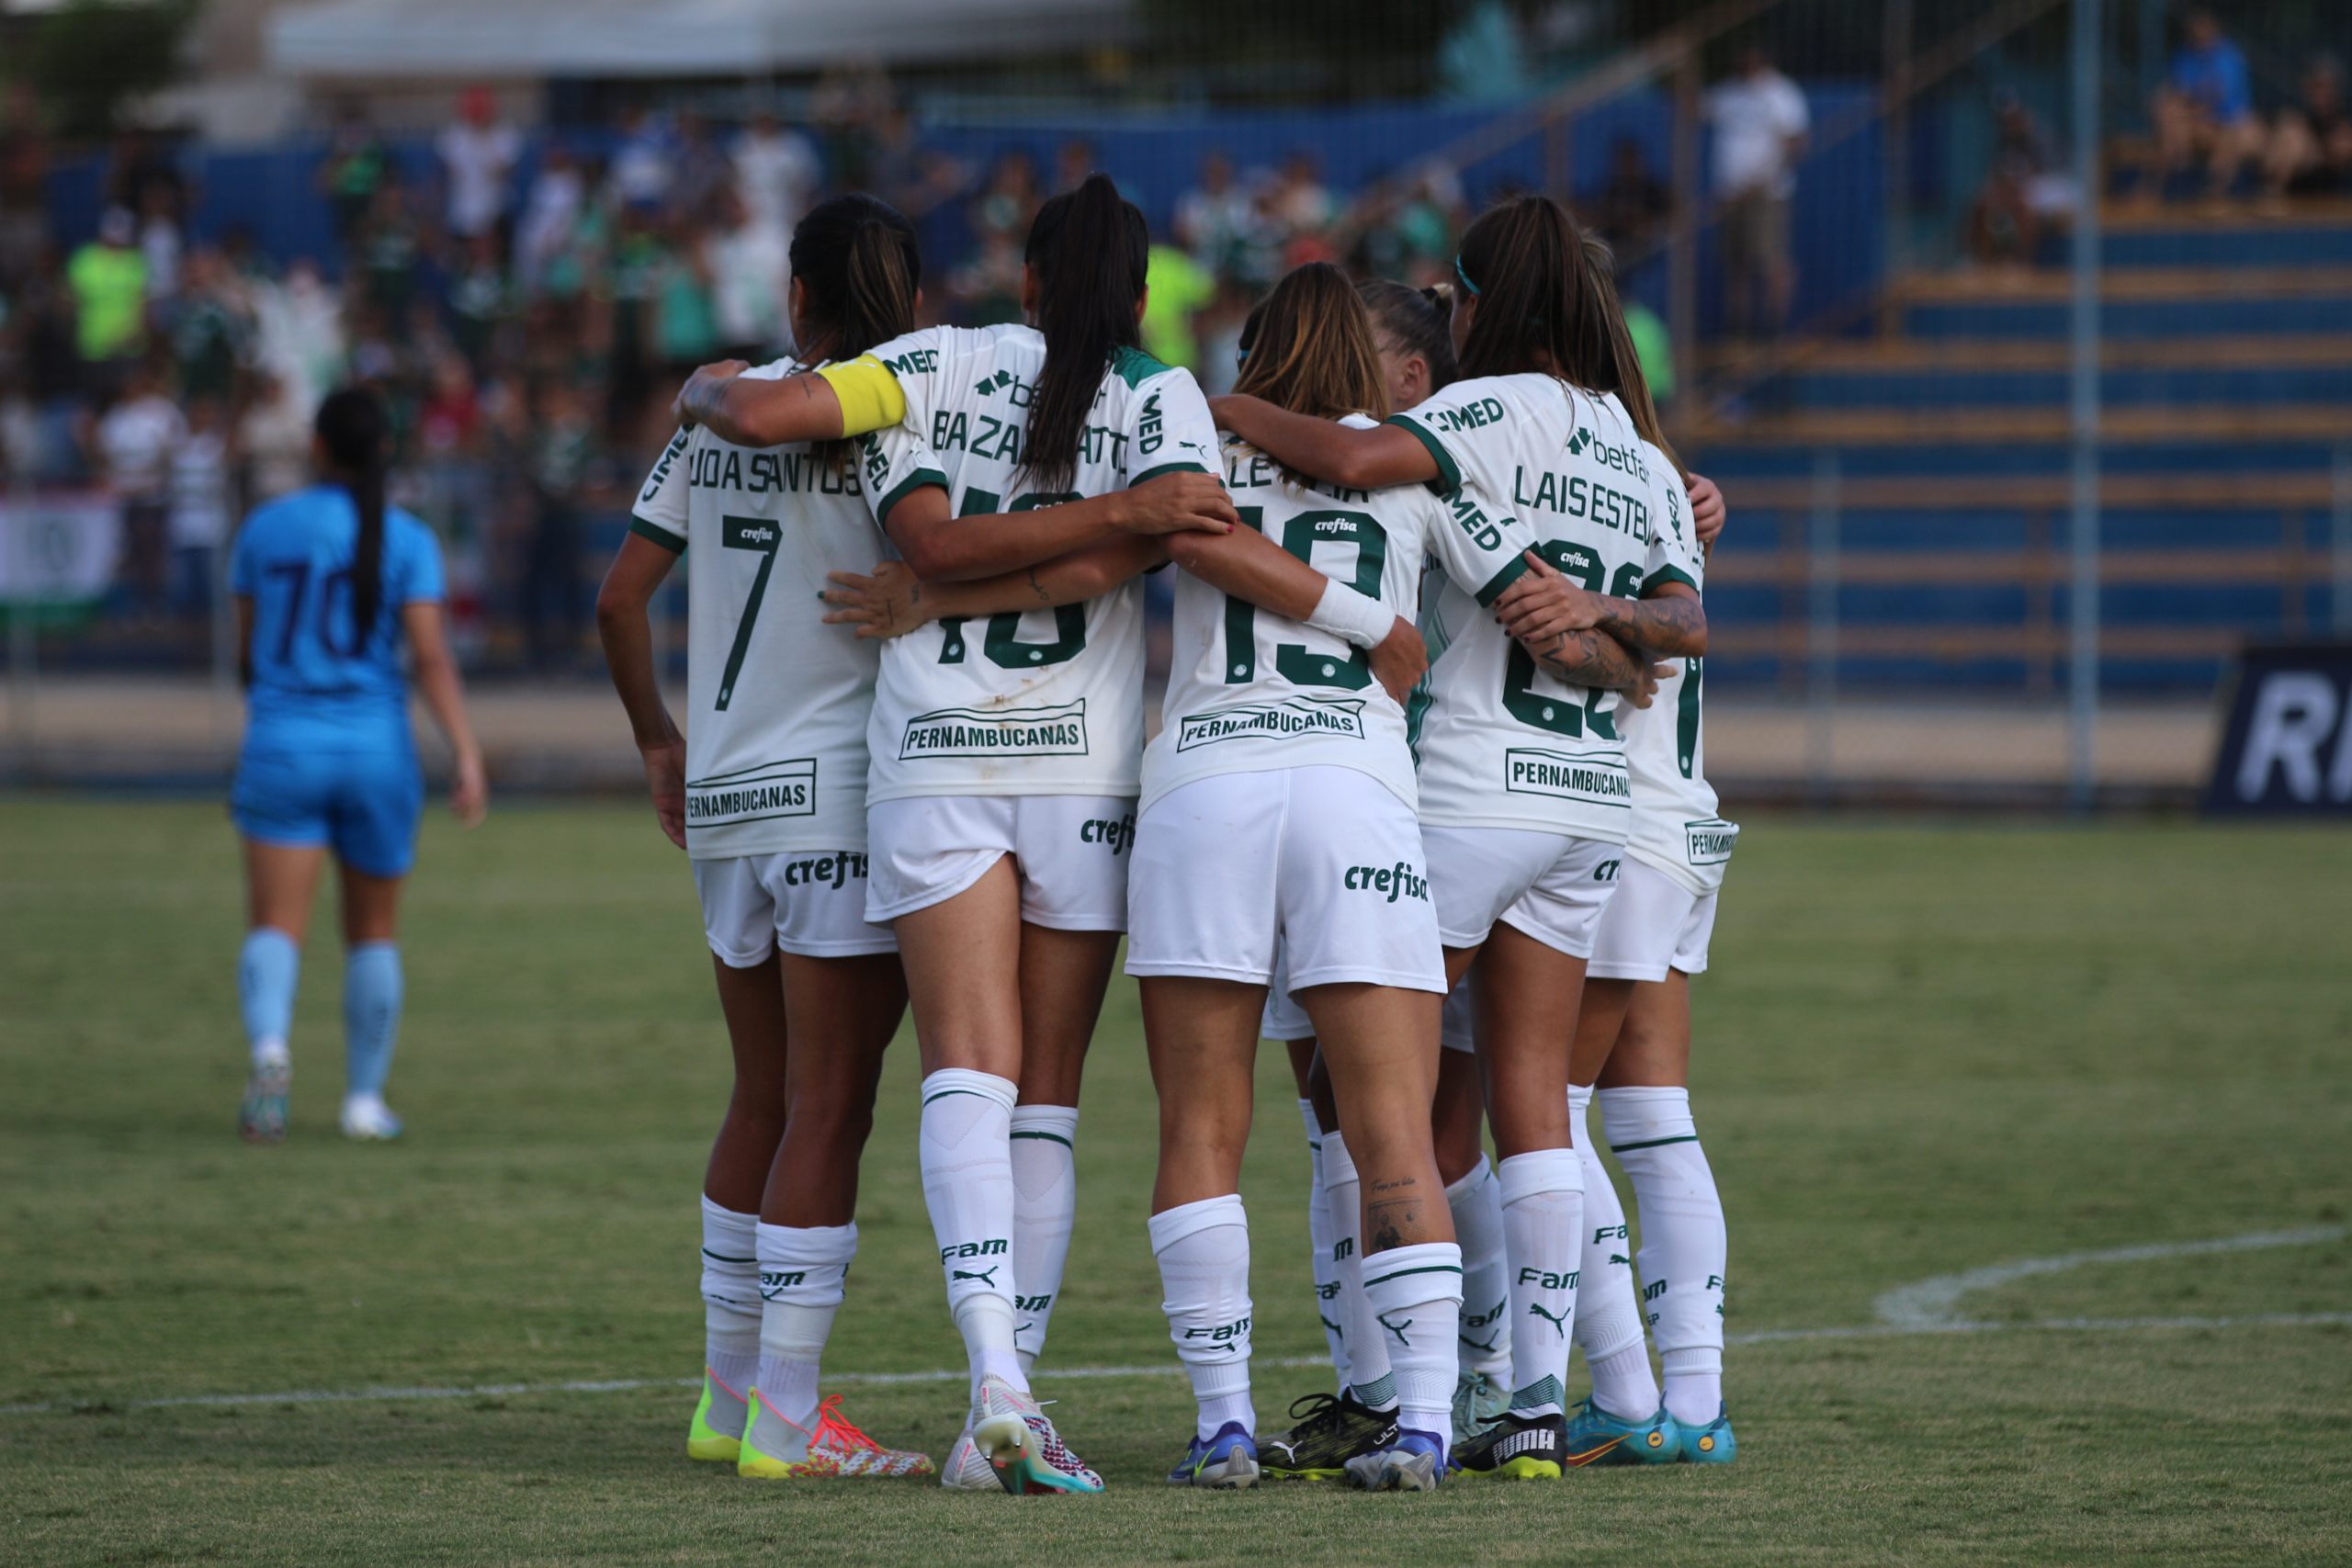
x: 869, y: 394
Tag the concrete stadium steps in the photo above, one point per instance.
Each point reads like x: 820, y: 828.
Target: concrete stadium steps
x: 2307, y: 368
x: 2231, y: 235
x: 2139, y: 302
x: 1947, y: 575
x: 2314, y: 428
x: 2226, y: 383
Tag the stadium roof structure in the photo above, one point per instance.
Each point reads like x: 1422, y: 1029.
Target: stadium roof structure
x: 379, y: 39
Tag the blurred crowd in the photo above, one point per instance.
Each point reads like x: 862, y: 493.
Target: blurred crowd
x: 527, y: 313
x: 529, y: 306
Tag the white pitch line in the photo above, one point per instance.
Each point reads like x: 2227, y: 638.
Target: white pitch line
x: 945, y: 1375
x: 1934, y: 1304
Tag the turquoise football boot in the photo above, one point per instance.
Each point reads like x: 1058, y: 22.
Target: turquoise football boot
x: 1710, y: 1444
x: 1595, y: 1436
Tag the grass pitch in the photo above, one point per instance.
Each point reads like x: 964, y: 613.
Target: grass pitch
x: 1923, y: 1050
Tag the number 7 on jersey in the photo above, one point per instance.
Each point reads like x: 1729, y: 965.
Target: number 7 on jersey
x: 762, y: 535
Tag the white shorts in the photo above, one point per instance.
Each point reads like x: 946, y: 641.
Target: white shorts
x: 1652, y: 923
x: 1323, y: 862
x: 809, y: 903
x: 1071, y: 852
x: 1283, y: 1018
x: 1548, y: 886
x: 1457, y: 1023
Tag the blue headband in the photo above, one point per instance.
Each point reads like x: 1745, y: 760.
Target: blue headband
x: 1464, y: 277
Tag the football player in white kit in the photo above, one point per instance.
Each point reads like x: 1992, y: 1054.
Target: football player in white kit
x: 1524, y: 796
x: 1633, y: 1038
x: 1414, y: 341
x: 766, y: 791
x: 1006, y: 755
x: 1279, y: 754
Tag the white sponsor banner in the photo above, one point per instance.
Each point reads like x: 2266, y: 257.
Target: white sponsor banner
x: 58, y: 549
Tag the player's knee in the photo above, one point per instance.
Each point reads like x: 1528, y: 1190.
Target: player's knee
x: 831, y: 1125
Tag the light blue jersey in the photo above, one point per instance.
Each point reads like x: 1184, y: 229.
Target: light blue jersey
x: 317, y: 683
x: 328, y: 757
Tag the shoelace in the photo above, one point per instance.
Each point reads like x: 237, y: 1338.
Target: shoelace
x: 830, y: 1420
x: 1316, y: 1414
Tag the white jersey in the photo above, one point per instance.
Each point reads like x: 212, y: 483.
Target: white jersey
x: 1504, y: 743
x: 1249, y: 690
x: 776, y: 700
x: 1038, y: 702
x: 1676, y: 827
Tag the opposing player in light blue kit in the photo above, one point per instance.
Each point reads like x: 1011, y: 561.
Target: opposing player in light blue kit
x: 332, y: 587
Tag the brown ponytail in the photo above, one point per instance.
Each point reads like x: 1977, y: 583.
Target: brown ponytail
x: 1620, y: 370
x: 1091, y: 252
x: 1310, y: 349
x: 1522, y: 262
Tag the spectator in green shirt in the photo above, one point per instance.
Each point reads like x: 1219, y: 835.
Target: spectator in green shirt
x: 108, y: 277
x: 1654, y: 348
x: 1176, y: 287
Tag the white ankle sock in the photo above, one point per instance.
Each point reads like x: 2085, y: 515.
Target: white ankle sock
x: 1368, y: 1365
x: 1415, y: 1293
x: 1609, y: 1313
x: 1683, y: 1260
x: 731, y: 1310
x: 1477, y: 1204
x: 801, y: 1271
x: 965, y: 1145
x: 1044, y: 1204
x: 1203, y: 1254
x: 1318, y: 1241
x: 1542, y: 1225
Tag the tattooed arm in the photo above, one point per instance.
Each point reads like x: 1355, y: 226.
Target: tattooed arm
x: 1592, y: 658
x: 1669, y: 621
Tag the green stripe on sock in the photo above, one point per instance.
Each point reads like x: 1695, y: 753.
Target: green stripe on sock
x: 1053, y: 1137
x: 1654, y: 1142
x: 1376, y: 1395
x: 722, y: 1258
x: 1544, y: 1391
x: 1425, y: 1269
x: 943, y: 1093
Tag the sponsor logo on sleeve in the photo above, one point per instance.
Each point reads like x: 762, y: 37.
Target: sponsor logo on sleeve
x: 1004, y: 732
x: 1710, y: 843
x: 1292, y: 718
x: 1596, y: 781
x: 753, y: 794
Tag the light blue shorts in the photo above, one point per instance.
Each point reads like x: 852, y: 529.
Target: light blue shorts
x: 364, y: 805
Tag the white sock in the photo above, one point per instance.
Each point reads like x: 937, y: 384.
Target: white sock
x: 1368, y: 1367
x: 730, y: 1310
x: 1542, y: 1227
x: 1477, y: 1204
x: 1415, y: 1293
x: 1683, y: 1251
x: 801, y: 1271
x: 1203, y: 1254
x: 1044, y: 1203
x: 1609, y: 1314
x: 966, y: 1155
x: 1319, y: 1240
